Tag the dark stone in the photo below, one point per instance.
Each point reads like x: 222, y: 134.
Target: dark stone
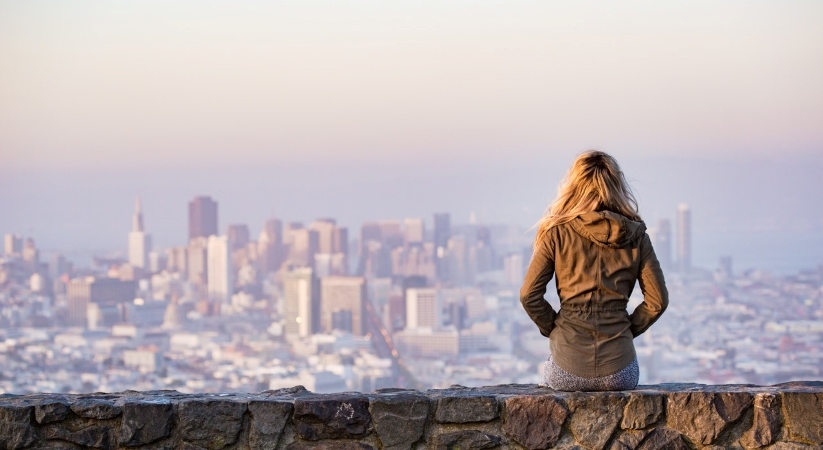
x: 144, y: 421
x: 336, y: 416
x: 793, y: 446
x: 803, y: 412
x: 400, y: 419
x: 96, y: 436
x: 51, y: 410
x: 212, y: 423
x: 328, y: 445
x: 629, y: 440
x: 594, y: 417
x: 641, y: 411
x: 702, y: 416
x: 295, y: 391
x: 534, y: 422
x: 663, y: 439
x: 268, y: 419
x: 96, y: 408
x: 766, y: 422
x: 466, y: 440
x: 15, y: 427
x: 466, y: 408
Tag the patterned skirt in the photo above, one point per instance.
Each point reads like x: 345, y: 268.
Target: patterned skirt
x: 560, y: 380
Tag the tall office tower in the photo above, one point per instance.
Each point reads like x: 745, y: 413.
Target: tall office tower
x: 202, y: 217
x: 238, y: 235
x: 325, y: 234
x: 270, y: 248
x: 196, y: 262
x: 684, y: 237
x: 12, y: 244
x: 177, y: 259
x: 422, y: 308
x: 442, y: 233
x: 303, y: 247
x: 289, y: 230
x: 31, y: 255
x: 220, y: 285
x: 274, y: 228
x: 460, y: 271
x: 302, y: 306
x: 414, y: 230
x: 391, y: 233
x: 340, y: 243
x: 343, y: 304
x: 513, y: 269
x: 662, y: 242
x: 370, y: 231
x: 98, y: 300
x: 139, y: 241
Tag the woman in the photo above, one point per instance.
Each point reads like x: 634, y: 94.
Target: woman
x: 592, y: 237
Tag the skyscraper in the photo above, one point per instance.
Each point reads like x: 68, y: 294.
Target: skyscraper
x: 442, y: 233
x: 302, y: 306
x: 202, y: 217
x: 238, y: 235
x: 220, y: 285
x: 422, y: 308
x: 684, y: 237
x: 139, y: 241
x: 414, y: 230
x: 343, y: 304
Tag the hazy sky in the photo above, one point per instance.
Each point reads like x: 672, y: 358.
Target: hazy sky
x: 376, y: 109
x: 102, y: 84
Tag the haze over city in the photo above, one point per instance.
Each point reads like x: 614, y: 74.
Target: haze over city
x: 348, y: 117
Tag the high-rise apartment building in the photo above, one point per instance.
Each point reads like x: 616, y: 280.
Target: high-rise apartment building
x: 684, y: 237
x: 139, y: 240
x: 343, y: 304
x: 220, y: 285
x: 202, y: 217
x: 301, y: 302
x: 422, y: 308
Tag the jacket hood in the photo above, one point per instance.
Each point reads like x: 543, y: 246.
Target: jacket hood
x: 608, y: 229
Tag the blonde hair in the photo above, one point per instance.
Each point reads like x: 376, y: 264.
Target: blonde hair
x: 594, y: 183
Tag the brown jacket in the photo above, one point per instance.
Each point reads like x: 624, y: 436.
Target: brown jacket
x: 598, y: 257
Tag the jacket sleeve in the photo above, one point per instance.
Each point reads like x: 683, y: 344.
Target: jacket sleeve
x: 538, y: 275
x: 653, y: 286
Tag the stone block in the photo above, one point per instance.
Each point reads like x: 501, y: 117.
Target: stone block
x: 51, y: 410
x: 663, y: 439
x: 15, y: 427
x: 335, y: 416
x: 803, y: 412
x: 641, y: 411
x: 535, y: 422
x: 466, y: 440
x: 466, y: 408
x: 703, y: 416
x: 400, y: 419
x: 328, y: 445
x: 629, y: 440
x: 268, y: 419
x: 144, y: 421
x: 594, y: 417
x: 96, y: 408
x: 210, y: 422
x: 766, y: 421
x: 94, y: 436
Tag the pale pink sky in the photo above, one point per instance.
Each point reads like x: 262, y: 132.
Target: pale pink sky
x: 102, y: 84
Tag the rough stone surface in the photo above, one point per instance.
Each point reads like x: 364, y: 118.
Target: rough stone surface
x: 211, y: 422
x: 663, y: 439
x: 15, y: 429
x: 328, y: 445
x: 144, y: 421
x: 641, y: 411
x: 702, y: 416
x: 51, y: 410
x: 629, y: 440
x: 94, y: 436
x: 594, y: 417
x: 534, y: 422
x: 766, y: 422
x: 400, y: 419
x: 96, y: 408
x: 803, y: 412
x: 268, y: 419
x: 335, y: 416
x: 466, y: 408
x: 466, y: 440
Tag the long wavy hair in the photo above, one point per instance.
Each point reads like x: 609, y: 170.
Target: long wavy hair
x: 594, y: 183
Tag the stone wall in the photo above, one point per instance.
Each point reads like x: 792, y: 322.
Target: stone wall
x: 676, y: 416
